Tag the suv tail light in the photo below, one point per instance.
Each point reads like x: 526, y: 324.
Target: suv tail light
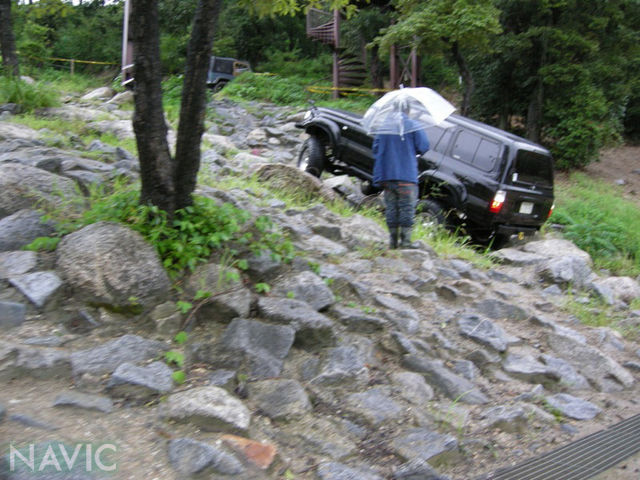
x: 551, y: 210
x: 498, y: 201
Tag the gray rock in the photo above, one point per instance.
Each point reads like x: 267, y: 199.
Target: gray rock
x: 210, y: 408
x: 507, y: 419
x: 342, y: 364
x: 568, y: 375
x: 321, y: 435
x: 12, y: 314
x: 322, y: 246
x: 29, y: 421
x: 358, y: 321
x: 412, y: 387
x: 228, y: 299
x: 416, y: 470
x: 42, y: 363
x: 307, y: 287
x: 107, y: 263
x: 190, y: 457
x: 107, y: 357
x: 453, y: 386
x: 38, y: 287
x: 426, y: 445
x: 603, y: 372
x: 374, y: 406
x: 623, y: 288
x: 401, y: 314
x: 21, y: 228
x: 568, y: 270
x: 17, y: 263
x: 513, y: 256
x: 527, y: 368
x: 87, y: 401
x: 132, y: 381
x: 280, y: 399
x: 497, y: 309
x: 573, y: 407
x: 22, y: 187
x: 339, y: 471
x: 486, y: 332
x: 312, y: 329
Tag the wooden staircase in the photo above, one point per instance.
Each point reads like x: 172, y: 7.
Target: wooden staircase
x: 321, y: 26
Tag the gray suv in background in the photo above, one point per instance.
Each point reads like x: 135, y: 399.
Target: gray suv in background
x: 483, y: 181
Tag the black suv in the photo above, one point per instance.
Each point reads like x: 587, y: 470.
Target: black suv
x: 488, y: 182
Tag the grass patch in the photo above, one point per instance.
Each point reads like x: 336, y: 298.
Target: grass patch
x: 594, y: 312
x: 28, y: 96
x: 599, y: 221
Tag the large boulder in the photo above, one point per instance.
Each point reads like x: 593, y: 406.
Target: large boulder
x: 21, y: 228
x: 22, y: 186
x: 109, y: 264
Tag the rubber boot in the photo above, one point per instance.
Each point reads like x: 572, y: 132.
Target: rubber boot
x: 405, y: 238
x: 393, y: 238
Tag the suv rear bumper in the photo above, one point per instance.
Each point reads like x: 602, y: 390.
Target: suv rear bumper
x: 516, y: 230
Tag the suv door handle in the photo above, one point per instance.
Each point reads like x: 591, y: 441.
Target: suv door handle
x: 344, y: 127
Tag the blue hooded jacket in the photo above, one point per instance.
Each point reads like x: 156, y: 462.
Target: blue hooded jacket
x: 395, y: 156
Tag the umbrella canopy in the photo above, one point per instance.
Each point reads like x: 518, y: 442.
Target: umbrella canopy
x: 406, y: 110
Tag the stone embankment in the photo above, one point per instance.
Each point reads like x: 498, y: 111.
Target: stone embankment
x: 359, y: 363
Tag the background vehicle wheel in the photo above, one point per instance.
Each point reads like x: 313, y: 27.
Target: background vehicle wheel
x: 219, y: 86
x: 311, y: 158
x: 430, y: 212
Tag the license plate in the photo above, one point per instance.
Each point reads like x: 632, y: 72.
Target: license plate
x: 526, y: 208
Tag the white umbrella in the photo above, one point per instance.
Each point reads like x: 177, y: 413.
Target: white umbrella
x: 406, y: 110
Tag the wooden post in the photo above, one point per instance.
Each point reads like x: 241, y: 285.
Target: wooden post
x: 393, y: 67
x: 336, y: 56
x: 415, y: 66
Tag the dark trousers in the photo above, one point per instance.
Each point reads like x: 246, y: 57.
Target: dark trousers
x: 400, y: 203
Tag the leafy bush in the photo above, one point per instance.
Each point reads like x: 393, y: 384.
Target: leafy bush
x: 598, y: 221
x: 186, y: 240
x: 28, y: 96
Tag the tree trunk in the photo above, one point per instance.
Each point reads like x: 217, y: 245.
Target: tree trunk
x: 7, y: 42
x: 536, y: 103
x: 467, y: 78
x: 194, y: 99
x: 156, y: 165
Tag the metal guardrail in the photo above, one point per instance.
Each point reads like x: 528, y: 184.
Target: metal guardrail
x: 579, y: 460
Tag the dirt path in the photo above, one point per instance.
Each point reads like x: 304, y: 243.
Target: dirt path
x: 621, y: 167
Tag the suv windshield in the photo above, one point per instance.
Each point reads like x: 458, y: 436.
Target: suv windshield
x: 533, y: 168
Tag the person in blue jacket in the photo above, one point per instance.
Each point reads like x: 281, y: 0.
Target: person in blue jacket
x: 396, y: 170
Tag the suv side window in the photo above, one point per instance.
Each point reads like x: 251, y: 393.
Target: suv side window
x: 486, y: 155
x: 465, y: 146
x: 443, y: 138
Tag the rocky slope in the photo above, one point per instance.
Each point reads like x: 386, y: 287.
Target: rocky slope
x: 360, y: 363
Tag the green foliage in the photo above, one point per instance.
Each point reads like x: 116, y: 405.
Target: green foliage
x: 599, y: 221
x: 179, y: 377
x: 174, y: 357
x: 180, y: 338
x: 186, y: 240
x: 43, y: 244
x: 262, y: 287
x: 28, y: 96
x: 184, y: 307
x: 579, y: 127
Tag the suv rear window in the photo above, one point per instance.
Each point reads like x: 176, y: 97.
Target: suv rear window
x: 533, y: 168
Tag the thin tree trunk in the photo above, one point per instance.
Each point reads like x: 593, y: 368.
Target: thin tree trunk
x: 156, y: 165
x: 467, y: 78
x: 536, y: 103
x: 194, y: 97
x: 7, y: 42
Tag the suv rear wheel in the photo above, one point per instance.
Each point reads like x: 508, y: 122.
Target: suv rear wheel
x: 311, y: 158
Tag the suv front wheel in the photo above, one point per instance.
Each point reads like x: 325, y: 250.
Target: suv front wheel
x: 430, y: 212
x: 311, y: 158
